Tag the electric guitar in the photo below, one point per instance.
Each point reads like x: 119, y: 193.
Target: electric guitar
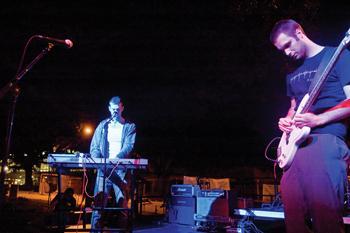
x: 290, y: 142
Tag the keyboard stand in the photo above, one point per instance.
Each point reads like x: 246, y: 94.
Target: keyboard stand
x: 130, y: 211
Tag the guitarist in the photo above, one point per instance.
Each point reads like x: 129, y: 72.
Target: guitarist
x: 313, y: 186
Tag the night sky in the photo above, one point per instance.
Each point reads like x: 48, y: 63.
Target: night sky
x: 201, y: 80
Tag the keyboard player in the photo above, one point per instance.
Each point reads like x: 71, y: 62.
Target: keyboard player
x: 113, y: 138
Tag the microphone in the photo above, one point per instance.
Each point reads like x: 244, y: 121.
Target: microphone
x: 68, y: 43
x: 113, y: 116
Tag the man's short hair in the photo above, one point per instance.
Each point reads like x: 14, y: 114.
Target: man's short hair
x: 287, y: 26
x: 115, y: 100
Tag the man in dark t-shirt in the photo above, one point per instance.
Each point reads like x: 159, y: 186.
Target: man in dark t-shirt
x: 313, y: 186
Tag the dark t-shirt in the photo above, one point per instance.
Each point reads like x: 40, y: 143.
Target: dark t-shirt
x: 332, y: 92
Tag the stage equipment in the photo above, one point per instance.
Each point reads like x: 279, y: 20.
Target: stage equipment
x: 215, y: 205
x: 67, y: 43
x: 85, y: 161
x: 81, y: 160
x: 13, y: 87
x: 184, y: 190
x: 182, y: 206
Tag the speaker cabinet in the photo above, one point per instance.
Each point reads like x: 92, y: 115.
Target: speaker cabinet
x: 212, y: 206
x: 217, y: 205
x: 182, y: 210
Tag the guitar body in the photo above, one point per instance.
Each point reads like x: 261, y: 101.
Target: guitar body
x: 289, y: 145
x: 290, y: 142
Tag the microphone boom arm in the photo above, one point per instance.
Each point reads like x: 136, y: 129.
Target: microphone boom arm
x: 13, y: 83
x: 35, y: 60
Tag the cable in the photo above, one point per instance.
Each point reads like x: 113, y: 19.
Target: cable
x: 247, y: 225
x: 81, y: 203
x: 268, y: 146
x: 23, y: 55
x: 114, y: 167
x: 86, y: 183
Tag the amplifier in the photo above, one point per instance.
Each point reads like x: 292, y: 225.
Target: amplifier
x: 184, y: 190
x: 181, y: 210
x: 215, y: 205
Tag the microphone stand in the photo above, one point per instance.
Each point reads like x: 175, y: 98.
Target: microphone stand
x: 104, y: 169
x: 105, y: 166
x: 13, y: 85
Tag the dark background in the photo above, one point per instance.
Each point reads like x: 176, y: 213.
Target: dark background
x: 199, y: 78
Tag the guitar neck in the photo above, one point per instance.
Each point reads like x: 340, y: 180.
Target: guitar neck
x: 321, y: 79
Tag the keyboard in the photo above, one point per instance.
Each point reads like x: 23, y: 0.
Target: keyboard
x: 85, y: 161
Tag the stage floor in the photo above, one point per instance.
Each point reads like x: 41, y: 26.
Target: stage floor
x: 162, y: 228
x: 167, y: 228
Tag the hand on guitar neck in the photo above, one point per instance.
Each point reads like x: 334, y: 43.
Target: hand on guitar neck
x: 300, y: 120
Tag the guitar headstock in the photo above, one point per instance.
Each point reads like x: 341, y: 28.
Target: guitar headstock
x: 346, y: 39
